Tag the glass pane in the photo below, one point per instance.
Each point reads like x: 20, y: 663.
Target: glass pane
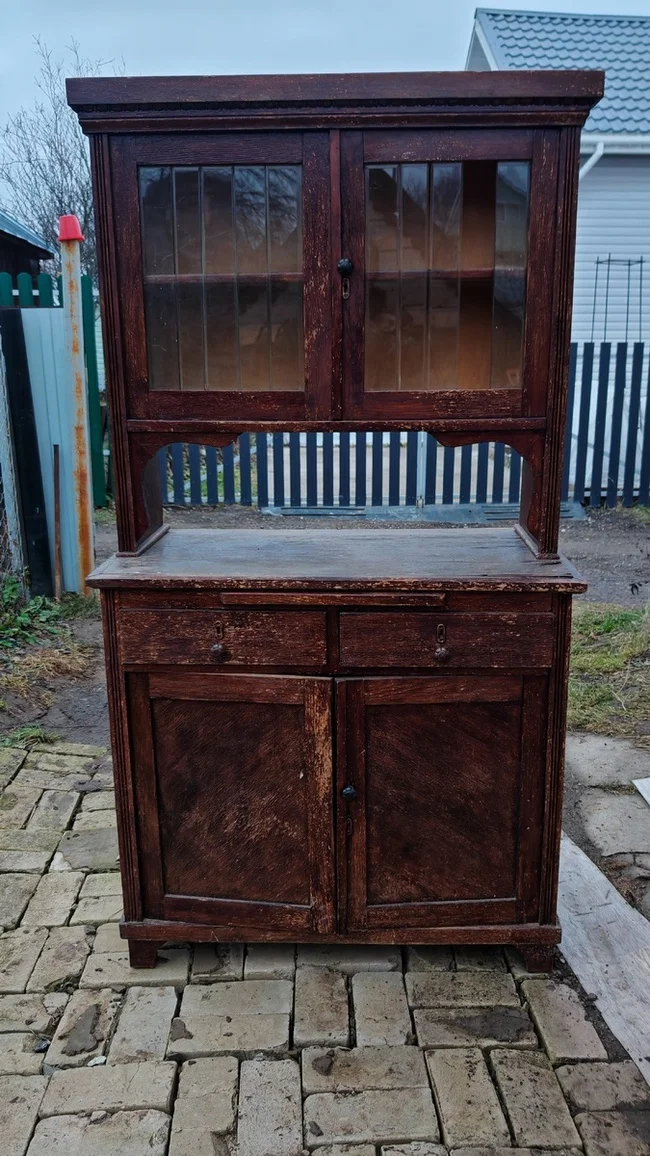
x: 222, y: 254
x: 444, y: 283
x: 286, y: 336
x: 251, y: 237
x: 445, y: 275
x: 382, y: 334
x: 162, y: 334
x: 221, y: 336
x: 254, y: 351
x: 285, y: 211
x: 415, y: 213
x: 382, y: 238
x: 190, y: 330
x: 218, y: 237
x: 188, y: 221
x: 157, y: 209
x: 511, y: 236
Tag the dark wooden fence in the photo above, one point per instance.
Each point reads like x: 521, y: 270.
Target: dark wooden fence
x: 607, y: 455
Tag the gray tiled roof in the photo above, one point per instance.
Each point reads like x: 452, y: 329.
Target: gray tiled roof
x: 14, y: 228
x: 619, y: 44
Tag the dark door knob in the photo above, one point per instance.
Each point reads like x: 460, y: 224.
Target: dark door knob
x: 442, y: 654
x: 218, y: 652
x: 345, y: 266
x: 349, y: 793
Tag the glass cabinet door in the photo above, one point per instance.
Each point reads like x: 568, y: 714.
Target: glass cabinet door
x: 224, y: 225
x: 223, y: 276
x: 437, y: 295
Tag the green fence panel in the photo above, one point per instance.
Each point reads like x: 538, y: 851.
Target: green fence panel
x: 25, y: 290
x: 92, y: 380
x: 45, y: 290
x: 6, y: 290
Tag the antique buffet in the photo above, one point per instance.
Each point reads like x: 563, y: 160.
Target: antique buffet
x: 351, y: 736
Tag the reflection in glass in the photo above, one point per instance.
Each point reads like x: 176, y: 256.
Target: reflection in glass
x: 445, y: 264
x: 222, y: 254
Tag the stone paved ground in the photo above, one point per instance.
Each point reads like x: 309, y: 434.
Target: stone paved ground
x: 267, y: 1050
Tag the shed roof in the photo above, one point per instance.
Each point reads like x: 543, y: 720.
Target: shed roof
x: 15, y: 228
x: 619, y: 44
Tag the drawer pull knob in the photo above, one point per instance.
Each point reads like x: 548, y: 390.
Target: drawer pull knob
x: 349, y: 793
x: 442, y: 654
x: 219, y: 652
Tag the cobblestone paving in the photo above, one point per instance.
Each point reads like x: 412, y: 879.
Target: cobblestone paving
x: 268, y: 1050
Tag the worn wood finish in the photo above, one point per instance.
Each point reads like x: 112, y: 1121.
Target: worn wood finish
x: 248, y: 638
x: 447, y: 640
x: 236, y: 824
x: 356, y: 736
x: 155, y: 104
x: 423, y: 843
x: 413, y: 561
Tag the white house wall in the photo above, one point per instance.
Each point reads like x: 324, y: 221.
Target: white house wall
x: 613, y: 217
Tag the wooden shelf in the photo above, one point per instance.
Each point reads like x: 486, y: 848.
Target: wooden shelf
x: 339, y: 559
x: 220, y: 278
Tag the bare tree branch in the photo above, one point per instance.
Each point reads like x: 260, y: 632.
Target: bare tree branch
x: 44, y: 158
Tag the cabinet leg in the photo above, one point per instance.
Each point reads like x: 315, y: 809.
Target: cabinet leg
x: 142, y: 953
x: 538, y: 958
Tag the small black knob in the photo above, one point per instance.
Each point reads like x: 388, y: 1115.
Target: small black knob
x: 345, y: 266
x: 219, y: 652
x: 442, y: 654
x: 349, y: 793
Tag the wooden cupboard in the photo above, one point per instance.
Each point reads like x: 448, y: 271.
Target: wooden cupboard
x: 359, y: 735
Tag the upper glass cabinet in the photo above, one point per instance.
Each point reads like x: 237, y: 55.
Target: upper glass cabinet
x: 445, y: 275
x: 223, y: 276
x: 317, y: 276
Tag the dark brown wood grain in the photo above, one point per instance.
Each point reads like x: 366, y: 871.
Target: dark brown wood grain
x: 155, y: 104
x: 426, y: 670
x: 248, y: 638
x: 237, y: 824
x: 378, y: 561
x: 447, y: 640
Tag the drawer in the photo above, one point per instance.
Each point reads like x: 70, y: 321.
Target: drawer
x: 223, y: 638
x: 447, y: 640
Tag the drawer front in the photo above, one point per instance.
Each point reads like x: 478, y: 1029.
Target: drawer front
x: 447, y: 640
x: 223, y: 638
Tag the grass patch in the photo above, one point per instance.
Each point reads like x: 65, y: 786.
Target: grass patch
x: 638, y: 513
x: 37, y: 645
x: 105, y: 515
x: 27, y: 736
x: 23, y: 621
x: 609, y: 682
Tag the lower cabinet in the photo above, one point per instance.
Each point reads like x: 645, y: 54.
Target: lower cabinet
x: 320, y: 806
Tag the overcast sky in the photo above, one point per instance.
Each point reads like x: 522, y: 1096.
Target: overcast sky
x: 229, y: 36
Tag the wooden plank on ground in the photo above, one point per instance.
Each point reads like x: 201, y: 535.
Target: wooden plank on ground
x: 607, y: 943
x: 643, y: 787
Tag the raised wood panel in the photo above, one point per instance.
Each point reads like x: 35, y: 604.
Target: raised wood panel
x: 430, y: 801
x: 235, y: 799
x: 449, y: 775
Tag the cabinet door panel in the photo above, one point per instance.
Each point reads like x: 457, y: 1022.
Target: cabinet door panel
x: 241, y: 769
x: 445, y: 272
x: 443, y: 796
x: 224, y: 280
